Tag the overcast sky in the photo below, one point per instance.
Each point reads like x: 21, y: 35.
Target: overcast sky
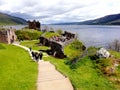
x: 55, y: 11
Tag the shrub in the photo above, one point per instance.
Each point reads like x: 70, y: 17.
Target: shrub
x: 91, y: 52
x: 78, y: 45
x: 74, y: 52
x: 50, y: 34
x: 100, y: 64
x: 59, y: 31
x: 115, y: 45
x: 27, y: 34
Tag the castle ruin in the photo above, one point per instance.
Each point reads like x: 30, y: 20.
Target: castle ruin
x: 7, y: 36
x: 34, y: 25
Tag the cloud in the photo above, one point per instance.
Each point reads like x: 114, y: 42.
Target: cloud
x: 1, y: 2
x: 54, y: 11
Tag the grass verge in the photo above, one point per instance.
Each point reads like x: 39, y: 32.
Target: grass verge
x: 85, y: 76
x: 34, y: 45
x: 17, y: 71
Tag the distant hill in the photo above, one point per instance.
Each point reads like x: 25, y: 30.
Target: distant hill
x: 106, y: 20
x: 6, y: 19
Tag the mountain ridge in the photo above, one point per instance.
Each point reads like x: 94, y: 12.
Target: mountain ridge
x: 6, y: 19
x: 113, y: 19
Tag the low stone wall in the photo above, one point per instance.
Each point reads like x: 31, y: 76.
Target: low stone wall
x: 56, y: 49
x: 68, y: 35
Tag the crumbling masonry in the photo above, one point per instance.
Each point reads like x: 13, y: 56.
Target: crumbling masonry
x: 7, y: 36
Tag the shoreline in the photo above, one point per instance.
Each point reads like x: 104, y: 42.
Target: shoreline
x: 90, y: 35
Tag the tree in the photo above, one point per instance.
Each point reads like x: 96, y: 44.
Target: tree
x: 115, y: 45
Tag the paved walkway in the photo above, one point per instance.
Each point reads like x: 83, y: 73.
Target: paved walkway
x: 48, y: 77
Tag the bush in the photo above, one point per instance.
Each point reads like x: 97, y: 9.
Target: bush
x: 71, y: 63
x: 74, y: 52
x: 115, y: 45
x: 91, y: 52
x: 100, y: 64
x: 59, y: 31
x: 28, y: 34
x: 78, y: 45
x: 50, y: 34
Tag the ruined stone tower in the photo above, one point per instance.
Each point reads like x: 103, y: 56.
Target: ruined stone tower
x: 7, y: 36
x: 34, y: 25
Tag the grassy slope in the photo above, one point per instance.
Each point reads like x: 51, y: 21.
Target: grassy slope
x: 85, y: 77
x: 10, y: 20
x: 17, y: 71
x: 117, y: 84
x: 50, y: 34
x: 33, y: 45
x: 28, y: 34
x: 71, y: 52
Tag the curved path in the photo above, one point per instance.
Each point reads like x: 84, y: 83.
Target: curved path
x: 48, y: 77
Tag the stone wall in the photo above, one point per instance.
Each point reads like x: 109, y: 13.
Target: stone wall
x: 69, y: 35
x: 57, y: 43
x: 56, y: 49
x: 7, y: 36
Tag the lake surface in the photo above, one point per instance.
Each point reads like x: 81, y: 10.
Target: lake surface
x: 92, y: 35
x: 17, y: 27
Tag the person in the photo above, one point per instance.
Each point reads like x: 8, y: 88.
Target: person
x: 40, y: 55
x: 33, y: 55
x: 36, y: 56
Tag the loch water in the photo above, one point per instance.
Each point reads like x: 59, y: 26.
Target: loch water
x: 92, y: 35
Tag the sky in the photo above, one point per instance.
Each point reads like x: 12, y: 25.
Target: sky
x: 57, y: 11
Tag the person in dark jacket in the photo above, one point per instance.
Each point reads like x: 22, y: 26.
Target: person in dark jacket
x: 40, y: 55
x: 37, y: 56
x: 33, y: 54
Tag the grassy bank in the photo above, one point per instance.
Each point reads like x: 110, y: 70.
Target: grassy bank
x: 33, y: 44
x: 28, y: 34
x: 50, y: 34
x: 85, y: 76
x: 17, y: 71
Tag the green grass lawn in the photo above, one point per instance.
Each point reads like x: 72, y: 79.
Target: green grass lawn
x: 71, y: 52
x: 50, y: 34
x: 33, y: 44
x: 28, y: 34
x: 17, y: 70
x: 85, y: 76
